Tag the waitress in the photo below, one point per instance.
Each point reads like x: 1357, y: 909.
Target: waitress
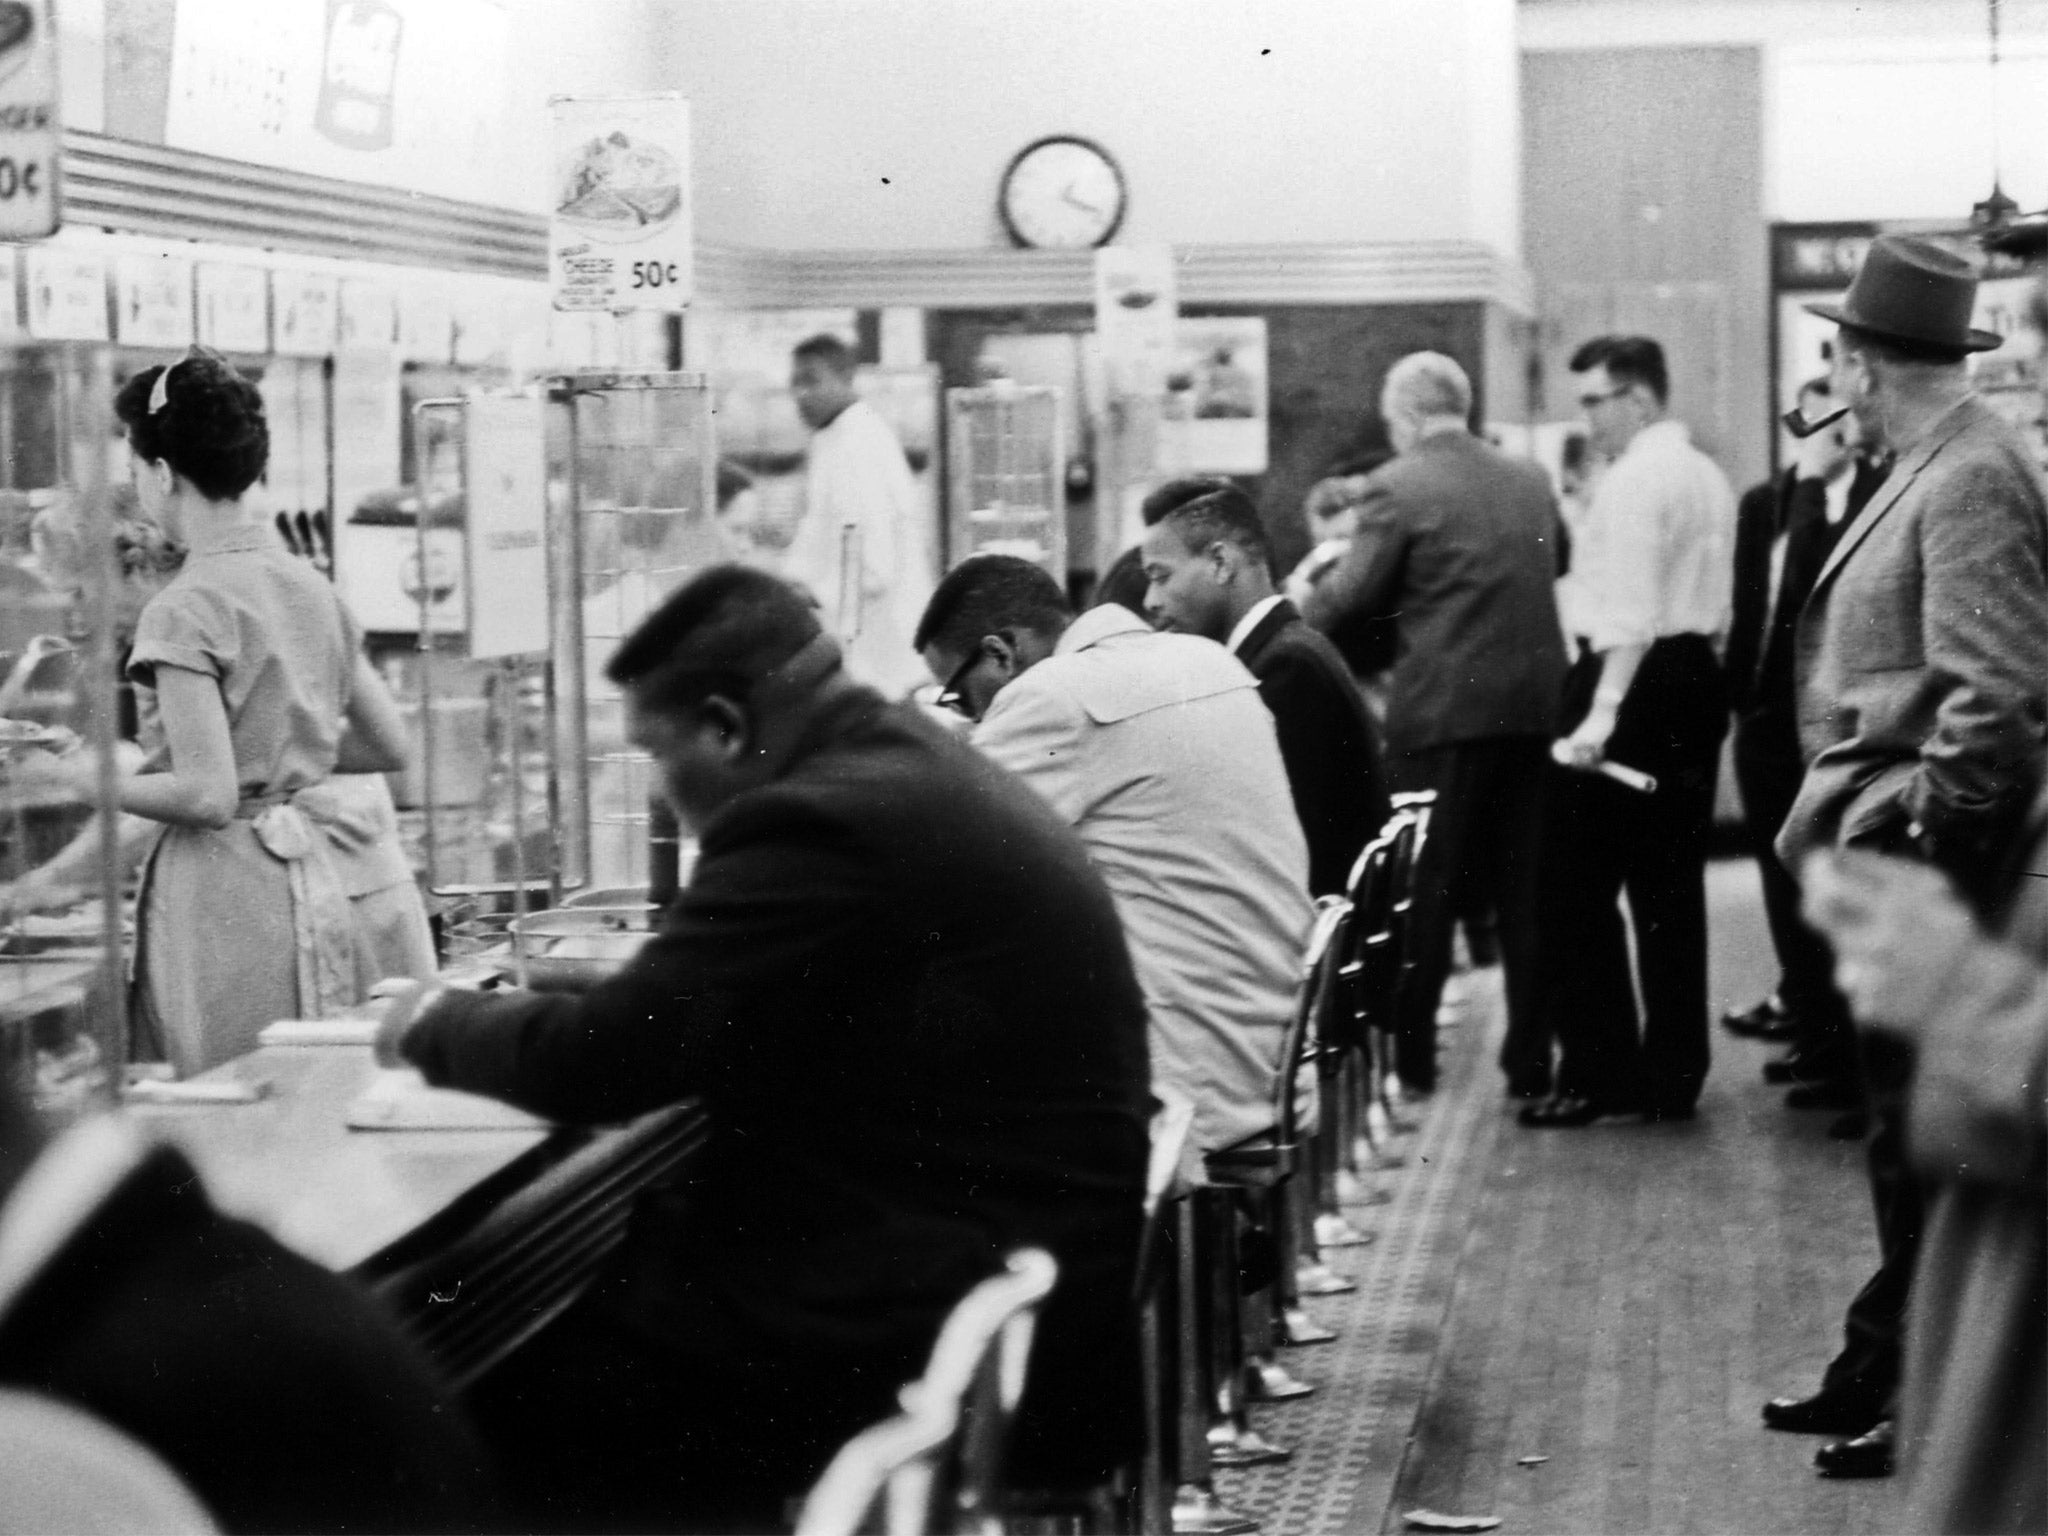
x: 250, y: 689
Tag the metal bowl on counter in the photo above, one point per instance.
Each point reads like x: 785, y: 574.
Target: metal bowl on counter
x: 573, y: 949
x: 613, y: 897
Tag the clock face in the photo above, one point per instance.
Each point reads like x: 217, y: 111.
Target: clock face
x: 1062, y: 194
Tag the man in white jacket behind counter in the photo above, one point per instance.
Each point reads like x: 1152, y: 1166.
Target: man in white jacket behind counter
x: 862, y: 547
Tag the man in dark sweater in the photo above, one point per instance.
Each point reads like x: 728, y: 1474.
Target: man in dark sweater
x: 1209, y: 571
x: 905, y: 997
x: 1785, y: 529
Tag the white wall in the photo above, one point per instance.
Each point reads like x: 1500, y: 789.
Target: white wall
x: 1874, y: 109
x: 886, y: 123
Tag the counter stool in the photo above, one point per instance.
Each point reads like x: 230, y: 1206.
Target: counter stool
x: 939, y: 1464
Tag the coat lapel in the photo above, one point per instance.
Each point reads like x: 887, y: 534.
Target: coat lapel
x: 1903, y: 474
x: 1263, y: 634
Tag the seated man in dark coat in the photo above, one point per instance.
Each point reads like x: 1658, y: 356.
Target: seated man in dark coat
x: 276, y: 1391
x: 1209, y: 572
x: 905, y: 997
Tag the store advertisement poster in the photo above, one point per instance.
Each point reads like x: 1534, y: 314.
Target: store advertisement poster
x: 1137, y: 304
x: 1213, y: 421
x: 506, y: 485
x: 67, y: 295
x: 619, y: 233
x: 234, y: 306
x: 305, y: 307
x: 396, y: 93
x: 153, y: 301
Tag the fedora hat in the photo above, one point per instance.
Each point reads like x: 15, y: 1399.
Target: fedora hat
x: 1913, y: 291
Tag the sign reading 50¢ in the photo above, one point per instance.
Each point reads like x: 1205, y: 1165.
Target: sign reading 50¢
x: 620, y: 234
x: 30, y: 124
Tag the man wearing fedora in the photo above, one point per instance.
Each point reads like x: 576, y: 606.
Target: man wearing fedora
x: 1922, y: 659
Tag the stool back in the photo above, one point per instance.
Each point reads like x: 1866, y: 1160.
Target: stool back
x: 1315, y: 1005
x: 939, y: 1465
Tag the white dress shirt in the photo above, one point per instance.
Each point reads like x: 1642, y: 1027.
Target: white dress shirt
x: 1242, y: 630
x: 1157, y: 749
x: 1655, y: 553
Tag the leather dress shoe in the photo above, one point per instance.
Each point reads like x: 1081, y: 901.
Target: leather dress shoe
x: 1765, y: 1021
x: 1528, y: 1087
x: 1836, y: 1093
x: 1820, y: 1415
x: 1569, y: 1110
x: 1866, y: 1456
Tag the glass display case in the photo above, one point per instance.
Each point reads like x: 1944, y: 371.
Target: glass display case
x: 74, y: 570
x: 1008, y: 473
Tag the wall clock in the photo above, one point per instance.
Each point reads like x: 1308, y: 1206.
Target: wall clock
x: 1062, y: 193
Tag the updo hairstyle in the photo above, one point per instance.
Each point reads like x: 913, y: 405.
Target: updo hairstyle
x: 208, y: 425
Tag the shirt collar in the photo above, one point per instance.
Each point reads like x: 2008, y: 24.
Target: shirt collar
x: 1254, y: 616
x: 236, y: 540
x: 1098, y: 624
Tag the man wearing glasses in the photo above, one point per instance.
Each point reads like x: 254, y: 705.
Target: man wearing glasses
x: 1649, y: 600
x: 1157, y: 750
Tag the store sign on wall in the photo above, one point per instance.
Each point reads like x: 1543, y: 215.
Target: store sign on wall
x: 619, y: 235
x: 359, y: 73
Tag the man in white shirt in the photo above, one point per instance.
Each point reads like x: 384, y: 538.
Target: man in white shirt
x: 1651, y: 580
x: 1157, y: 750
x: 862, y: 547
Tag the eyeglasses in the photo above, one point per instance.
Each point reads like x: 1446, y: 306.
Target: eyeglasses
x: 1587, y: 402
x: 950, y: 696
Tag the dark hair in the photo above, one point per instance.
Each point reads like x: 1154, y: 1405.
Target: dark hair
x: 828, y: 350
x: 1176, y: 494
x: 1892, y: 350
x: 1222, y: 512
x: 1124, y: 583
x: 721, y: 632
x: 987, y: 594
x: 209, y: 427
x: 1628, y: 360
x: 732, y: 480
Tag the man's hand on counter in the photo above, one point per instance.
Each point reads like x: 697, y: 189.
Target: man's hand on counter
x: 404, y: 1001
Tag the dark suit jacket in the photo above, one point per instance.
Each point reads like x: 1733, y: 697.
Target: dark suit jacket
x: 1759, y: 518
x: 1923, y: 654
x: 904, y: 994
x: 275, y: 1389
x: 1327, y: 740
x: 1759, y: 656
x: 1460, y: 544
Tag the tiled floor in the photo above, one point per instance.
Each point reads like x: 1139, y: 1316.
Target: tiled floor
x: 1617, y: 1300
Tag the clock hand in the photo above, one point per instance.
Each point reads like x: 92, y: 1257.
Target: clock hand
x: 1067, y: 195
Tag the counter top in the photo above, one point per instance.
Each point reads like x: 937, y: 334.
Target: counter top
x: 474, y: 1239
x: 290, y: 1164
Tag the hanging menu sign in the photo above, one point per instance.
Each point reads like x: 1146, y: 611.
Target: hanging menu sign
x: 619, y: 237
x: 153, y: 301
x: 30, y: 204
x: 67, y: 295
x: 234, y: 306
x: 304, y: 306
